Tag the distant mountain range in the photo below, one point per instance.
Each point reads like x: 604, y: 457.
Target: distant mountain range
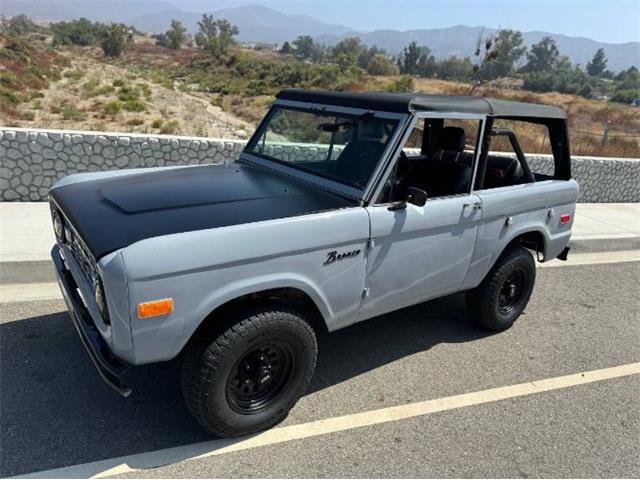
x: 461, y: 41
x: 262, y: 24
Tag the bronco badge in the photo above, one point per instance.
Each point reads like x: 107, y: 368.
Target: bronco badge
x: 334, y: 256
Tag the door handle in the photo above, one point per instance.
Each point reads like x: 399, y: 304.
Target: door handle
x: 474, y: 205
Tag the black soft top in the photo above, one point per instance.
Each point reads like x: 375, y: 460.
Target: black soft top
x: 409, y: 103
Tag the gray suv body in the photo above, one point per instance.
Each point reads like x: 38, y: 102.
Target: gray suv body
x: 334, y: 213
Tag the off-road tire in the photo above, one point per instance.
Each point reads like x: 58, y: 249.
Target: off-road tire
x: 209, y: 364
x: 484, y: 307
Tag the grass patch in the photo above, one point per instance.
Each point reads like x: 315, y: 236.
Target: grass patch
x: 118, y: 83
x: 157, y: 123
x: 29, y: 115
x: 113, y: 108
x: 74, y: 75
x: 135, y: 122
x: 70, y: 112
x: 90, y: 86
x: 170, y: 127
x: 36, y: 104
x: 134, y: 106
x: 103, y: 90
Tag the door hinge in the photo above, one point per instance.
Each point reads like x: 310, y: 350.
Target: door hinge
x: 371, y: 243
x: 365, y: 293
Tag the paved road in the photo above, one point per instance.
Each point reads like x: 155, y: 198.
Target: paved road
x: 55, y: 411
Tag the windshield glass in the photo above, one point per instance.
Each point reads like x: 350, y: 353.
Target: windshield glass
x: 342, y: 148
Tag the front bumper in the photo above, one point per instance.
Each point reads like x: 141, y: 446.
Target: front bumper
x: 111, y: 369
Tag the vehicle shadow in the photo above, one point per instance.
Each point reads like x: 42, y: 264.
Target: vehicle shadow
x: 55, y: 411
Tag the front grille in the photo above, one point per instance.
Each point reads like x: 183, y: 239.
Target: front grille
x: 80, y: 252
x: 81, y: 255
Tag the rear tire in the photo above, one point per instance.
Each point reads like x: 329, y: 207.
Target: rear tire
x: 247, y: 378
x: 502, y: 296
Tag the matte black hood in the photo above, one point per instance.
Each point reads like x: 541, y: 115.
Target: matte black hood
x: 112, y: 213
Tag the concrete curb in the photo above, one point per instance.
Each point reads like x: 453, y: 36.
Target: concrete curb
x: 609, y: 244
x: 41, y: 271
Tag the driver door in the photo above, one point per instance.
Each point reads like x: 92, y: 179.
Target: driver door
x: 422, y: 252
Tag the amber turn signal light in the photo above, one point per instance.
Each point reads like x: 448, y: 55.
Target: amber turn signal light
x: 155, y: 308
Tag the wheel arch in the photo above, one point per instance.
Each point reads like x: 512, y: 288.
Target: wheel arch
x: 218, y: 317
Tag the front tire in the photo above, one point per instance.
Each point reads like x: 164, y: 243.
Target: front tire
x: 248, y: 377
x: 502, y: 296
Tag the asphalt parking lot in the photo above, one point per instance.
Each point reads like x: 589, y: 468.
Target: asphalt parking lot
x: 56, y: 412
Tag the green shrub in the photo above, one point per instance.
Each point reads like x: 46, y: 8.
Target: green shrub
x: 216, y: 100
x: 128, y: 93
x: 103, y: 90
x: 401, y: 84
x: 118, y: 83
x: 134, y: 106
x: 157, y: 123
x: 170, y: 127
x: 9, y: 80
x: 145, y: 89
x: 70, y: 112
x: 29, y: 116
x: 112, y: 108
x: 36, y: 104
x: 74, y: 75
x: 9, y: 97
x: 134, y: 122
x: 90, y: 85
x: 626, y: 96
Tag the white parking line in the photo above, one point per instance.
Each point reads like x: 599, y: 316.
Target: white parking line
x: 133, y: 463
x: 31, y: 292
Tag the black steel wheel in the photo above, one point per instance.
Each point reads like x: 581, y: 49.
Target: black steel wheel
x: 502, y: 296
x: 511, y: 291
x: 247, y: 377
x: 260, y: 376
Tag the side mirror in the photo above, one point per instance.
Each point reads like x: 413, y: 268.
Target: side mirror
x: 416, y: 196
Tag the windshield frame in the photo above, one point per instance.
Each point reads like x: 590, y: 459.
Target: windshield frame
x: 324, y: 181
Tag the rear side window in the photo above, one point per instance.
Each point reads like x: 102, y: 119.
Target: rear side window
x: 519, y: 152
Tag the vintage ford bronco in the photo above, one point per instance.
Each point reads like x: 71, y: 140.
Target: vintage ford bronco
x: 342, y: 207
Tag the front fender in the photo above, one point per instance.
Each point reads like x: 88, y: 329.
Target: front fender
x: 204, y: 270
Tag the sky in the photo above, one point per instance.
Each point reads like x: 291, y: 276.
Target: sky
x: 614, y: 21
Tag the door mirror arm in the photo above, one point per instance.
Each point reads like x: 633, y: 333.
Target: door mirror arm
x: 401, y: 205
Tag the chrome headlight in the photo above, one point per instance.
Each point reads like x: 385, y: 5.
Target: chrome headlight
x: 101, y: 300
x: 58, y: 225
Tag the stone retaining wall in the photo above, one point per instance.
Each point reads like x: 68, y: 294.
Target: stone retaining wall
x: 33, y: 160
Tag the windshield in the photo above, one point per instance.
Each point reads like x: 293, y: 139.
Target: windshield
x: 340, y: 147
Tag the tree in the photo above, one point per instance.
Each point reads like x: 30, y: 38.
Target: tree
x: 380, y: 65
x: 173, y: 38
x: 598, y: 64
x: 286, y: 49
x: 115, y: 40
x: 77, y: 32
x: 366, y: 55
x: 409, y: 58
x: 542, y: 56
x: 507, y: 49
x: 346, y: 52
x: 426, y: 63
x: 454, y: 68
x: 18, y: 25
x: 307, y: 49
x: 496, y: 56
x: 215, y: 36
